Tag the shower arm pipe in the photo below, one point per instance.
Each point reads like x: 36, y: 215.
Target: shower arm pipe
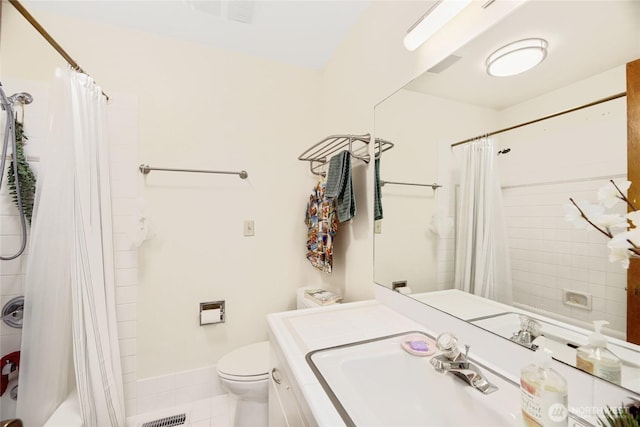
x: 45, y: 34
x: 551, y: 116
x: 145, y: 169
x: 433, y: 186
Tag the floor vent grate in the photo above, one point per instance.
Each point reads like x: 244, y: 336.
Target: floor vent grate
x: 174, y: 420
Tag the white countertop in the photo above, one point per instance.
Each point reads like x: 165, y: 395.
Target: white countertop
x: 298, y: 332
x: 301, y: 331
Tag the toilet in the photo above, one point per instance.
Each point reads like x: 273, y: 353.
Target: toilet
x: 244, y: 374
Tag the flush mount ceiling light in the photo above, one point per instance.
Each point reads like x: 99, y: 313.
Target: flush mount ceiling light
x: 516, y: 57
x: 435, y: 18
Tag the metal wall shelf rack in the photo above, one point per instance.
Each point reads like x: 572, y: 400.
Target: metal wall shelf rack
x: 319, y: 154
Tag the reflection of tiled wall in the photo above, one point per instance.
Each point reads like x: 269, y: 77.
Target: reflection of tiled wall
x: 549, y: 254
x: 122, y: 113
x: 446, y: 260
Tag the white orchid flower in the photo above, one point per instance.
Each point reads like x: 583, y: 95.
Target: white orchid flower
x: 619, y: 241
x: 634, y: 216
x: 623, y: 245
x: 620, y: 246
x: 609, y: 195
x: 611, y: 221
x: 572, y: 214
x: 620, y: 255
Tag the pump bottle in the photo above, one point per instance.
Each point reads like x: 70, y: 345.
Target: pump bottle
x: 596, y: 359
x: 543, y: 391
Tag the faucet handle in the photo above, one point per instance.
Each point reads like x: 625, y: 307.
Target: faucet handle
x: 466, y: 351
x: 8, y: 368
x: 447, y: 343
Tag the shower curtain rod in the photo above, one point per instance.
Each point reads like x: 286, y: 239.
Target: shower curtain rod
x: 571, y: 110
x: 40, y: 29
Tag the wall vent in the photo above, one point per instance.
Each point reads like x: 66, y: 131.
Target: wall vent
x: 171, y: 421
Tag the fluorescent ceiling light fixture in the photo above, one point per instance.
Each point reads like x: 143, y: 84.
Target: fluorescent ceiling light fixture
x: 435, y: 18
x: 516, y: 57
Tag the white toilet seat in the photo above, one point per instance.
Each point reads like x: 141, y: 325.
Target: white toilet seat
x: 246, y: 378
x: 248, y: 363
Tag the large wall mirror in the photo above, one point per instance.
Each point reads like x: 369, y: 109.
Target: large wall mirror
x: 548, y: 277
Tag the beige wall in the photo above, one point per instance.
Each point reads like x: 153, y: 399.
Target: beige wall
x: 199, y: 108
x: 206, y: 108
x: 420, y: 126
x: 368, y: 67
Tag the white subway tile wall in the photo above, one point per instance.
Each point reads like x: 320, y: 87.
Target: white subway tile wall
x: 186, y: 387
x: 549, y: 254
x: 123, y: 139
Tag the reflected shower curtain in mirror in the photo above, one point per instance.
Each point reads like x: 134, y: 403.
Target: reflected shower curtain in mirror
x: 69, y: 330
x: 482, y: 259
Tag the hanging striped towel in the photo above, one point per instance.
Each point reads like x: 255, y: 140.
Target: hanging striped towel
x: 340, y: 185
x: 377, y: 196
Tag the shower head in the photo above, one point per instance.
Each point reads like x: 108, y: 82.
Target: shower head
x: 23, y: 98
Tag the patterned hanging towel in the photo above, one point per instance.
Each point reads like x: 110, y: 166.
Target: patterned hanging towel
x: 322, y: 222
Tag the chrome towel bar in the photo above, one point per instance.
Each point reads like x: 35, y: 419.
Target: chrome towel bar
x: 145, y: 169
x: 433, y: 186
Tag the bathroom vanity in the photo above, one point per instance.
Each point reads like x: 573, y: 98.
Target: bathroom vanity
x: 298, y: 396
x: 294, y: 334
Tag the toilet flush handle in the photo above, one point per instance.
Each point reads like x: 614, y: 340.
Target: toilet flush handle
x: 273, y: 376
x: 277, y: 380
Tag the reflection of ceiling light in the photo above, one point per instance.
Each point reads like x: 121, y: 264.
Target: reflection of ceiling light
x: 516, y: 57
x: 435, y: 18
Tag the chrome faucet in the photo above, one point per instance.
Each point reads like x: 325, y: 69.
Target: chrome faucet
x: 529, y: 331
x: 8, y: 368
x: 453, y: 361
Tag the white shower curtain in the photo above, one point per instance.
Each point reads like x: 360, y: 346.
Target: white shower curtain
x: 69, y: 329
x: 482, y: 257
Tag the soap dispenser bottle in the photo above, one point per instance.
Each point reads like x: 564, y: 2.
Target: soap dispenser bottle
x: 543, y: 391
x: 596, y: 359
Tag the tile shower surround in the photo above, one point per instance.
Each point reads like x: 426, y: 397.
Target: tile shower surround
x: 124, y: 182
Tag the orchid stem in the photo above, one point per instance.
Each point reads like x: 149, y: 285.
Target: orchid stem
x: 623, y: 197
x: 582, y: 214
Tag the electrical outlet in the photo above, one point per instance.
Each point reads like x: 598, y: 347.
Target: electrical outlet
x: 377, y: 227
x: 249, y: 230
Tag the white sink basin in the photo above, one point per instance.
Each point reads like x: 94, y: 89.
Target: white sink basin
x: 377, y: 383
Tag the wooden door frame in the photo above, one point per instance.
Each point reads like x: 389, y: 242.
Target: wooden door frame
x: 633, y: 175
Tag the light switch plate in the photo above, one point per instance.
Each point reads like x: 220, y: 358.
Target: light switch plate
x: 249, y: 229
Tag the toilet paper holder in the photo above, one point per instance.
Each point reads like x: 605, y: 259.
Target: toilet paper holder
x: 212, y: 312
x: 395, y: 286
